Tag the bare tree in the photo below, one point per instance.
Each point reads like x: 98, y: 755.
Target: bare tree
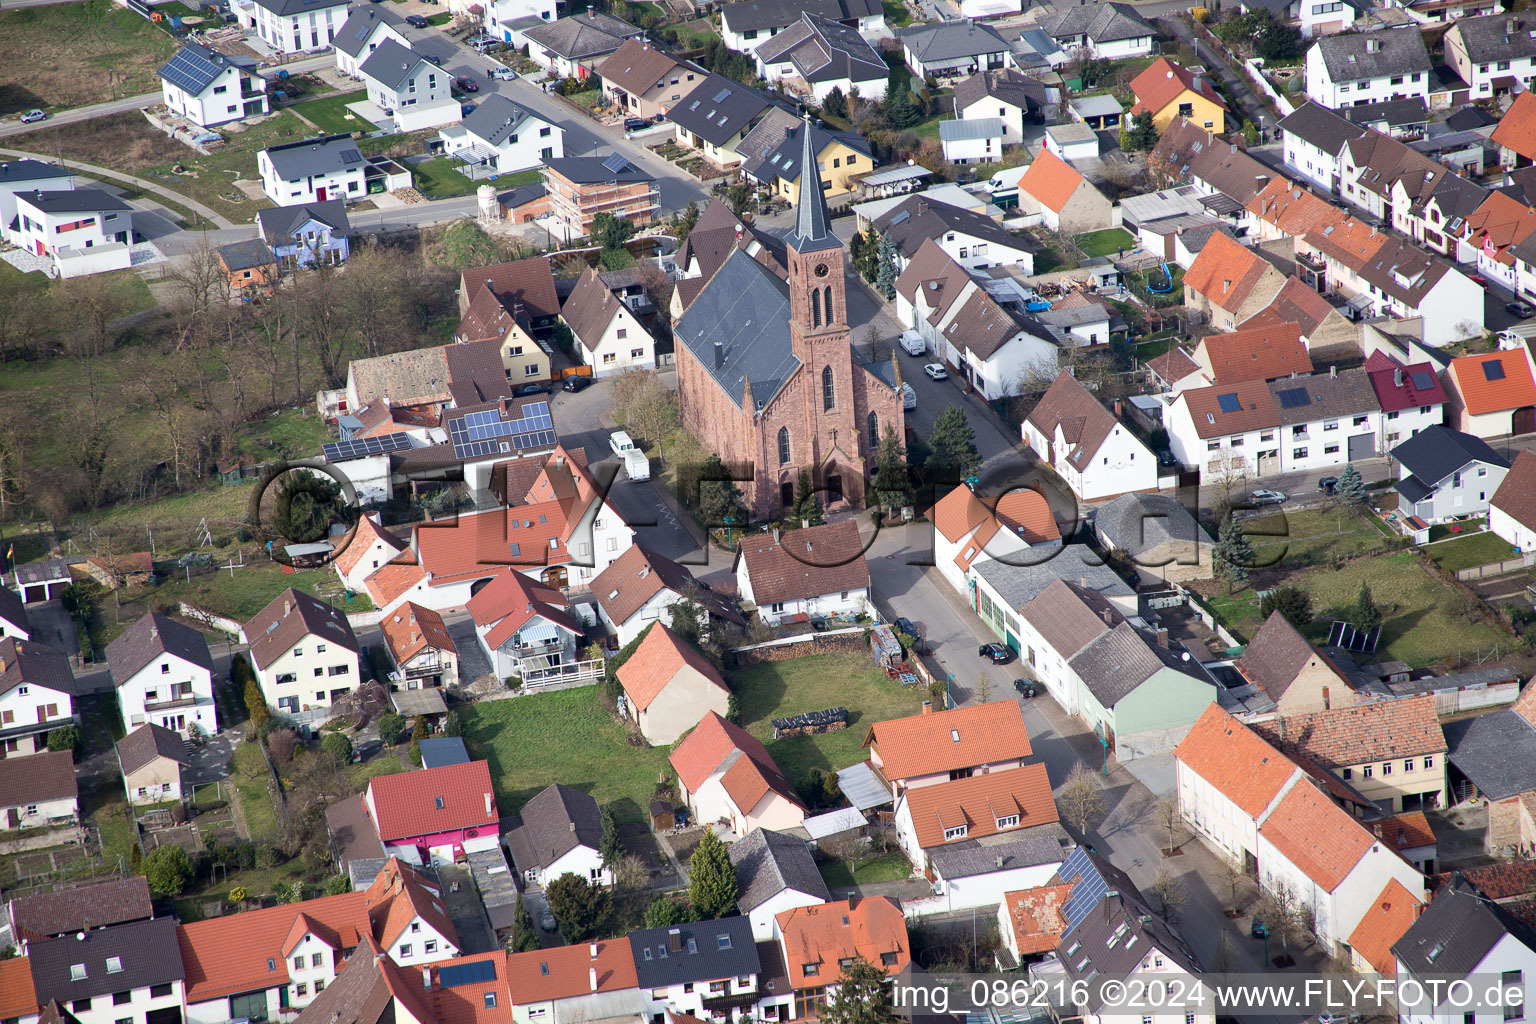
x: 374, y: 296
x: 1226, y: 957
x: 87, y: 310
x: 1081, y: 798
x: 983, y: 693
x: 1279, y: 909
x: 1237, y: 882
x: 1171, y: 821
x: 12, y: 452
x: 659, y: 286
x: 1169, y: 893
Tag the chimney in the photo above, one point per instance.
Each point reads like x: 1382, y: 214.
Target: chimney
x: 592, y: 978
x: 1162, y: 638
x: 1333, y: 371
x: 999, y: 862
x: 287, y: 606
x: 1109, y: 617
x: 719, y: 354
x: 775, y: 535
x: 927, y: 707
x: 1397, y: 378
x: 1376, y: 828
x: 674, y: 940
x: 592, y: 950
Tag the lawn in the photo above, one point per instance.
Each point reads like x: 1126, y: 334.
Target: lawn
x: 896, y: 13
x: 782, y: 688
x: 438, y: 20
x: 242, y: 592
x: 440, y: 178
x: 888, y: 867
x: 1105, y: 243
x: 1311, y: 536
x: 330, y: 113
x: 78, y: 53
x: 1465, y: 552
x: 248, y: 771
x: 565, y: 736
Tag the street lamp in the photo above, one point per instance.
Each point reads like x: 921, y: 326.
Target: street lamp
x: 729, y: 520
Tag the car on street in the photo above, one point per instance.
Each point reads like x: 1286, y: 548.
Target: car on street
x: 1328, y: 484
x: 936, y: 371
x: 904, y: 625
x: 1165, y: 457
x: 577, y: 383
x: 1259, y: 929
x: 1520, y: 309
x: 504, y: 75
x: 466, y: 83
x: 1026, y: 687
x: 908, y: 396
x: 547, y: 921
x: 33, y: 115
x: 531, y: 389
x: 1479, y: 280
x: 1262, y: 498
x: 635, y: 124
x: 416, y: 21
x: 995, y: 653
x: 913, y: 344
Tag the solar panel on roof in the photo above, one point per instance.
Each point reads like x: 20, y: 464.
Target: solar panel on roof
x: 1493, y: 370
x: 481, y: 433
x: 189, y: 71
x: 475, y: 973
x: 1422, y: 381
x: 1293, y: 398
x: 1088, y: 886
x: 900, y: 217
x: 616, y: 163
x: 351, y: 156
x: 341, y: 451
x: 1229, y: 402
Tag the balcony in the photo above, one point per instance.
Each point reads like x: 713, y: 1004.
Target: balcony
x: 424, y: 665
x: 184, y: 701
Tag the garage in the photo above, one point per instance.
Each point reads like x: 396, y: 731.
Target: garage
x: 43, y: 581
x: 1362, y: 446
x: 1524, y: 420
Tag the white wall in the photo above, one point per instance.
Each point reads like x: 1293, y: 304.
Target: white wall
x: 53, y: 231
x: 1315, y: 164
x: 583, y: 862
x: 1323, y: 89
x: 43, y: 813
x: 990, y: 106
x: 621, y: 345
x: 161, y: 676
x: 219, y: 102
x: 140, y: 1004
x: 345, y: 184
x: 305, y: 690
x: 1507, y: 954
x: 294, y: 33
x: 1516, y: 533
x: 762, y: 916
x: 847, y: 602
x: 381, y: 31
x: 32, y: 704
x: 978, y: 891
x: 973, y: 151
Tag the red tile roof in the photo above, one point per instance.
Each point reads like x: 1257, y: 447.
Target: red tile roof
x: 1255, y: 409
x: 407, y: 805
x: 411, y: 629
x: 1035, y: 917
x: 1395, y: 386
x: 566, y: 971
x: 944, y: 741
x: 805, y: 563
x: 1292, y: 209
x: 979, y: 801
x: 1516, y: 496
x: 1516, y: 130
x: 17, y: 996
x: 511, y: 600
x: 1380, y: 730
x: 1023, y: 511
x: 1255, y: 353
x: 1385, y: 921
x: 1296, y: 302
x: 363, y: 537
x: 660, y: 656
x: 1051, y: 181
x: 1235, y: 761
x: 714, y: 743
x: 1407, y: 831
x: 1316, y: 835
x: 1480, y: 395
x: 1225, y: 272
x: 826, y: 934
x: 393, y: 578
x: 1498, y: 225
x: 1028, y: 515
x: 1164, y: 81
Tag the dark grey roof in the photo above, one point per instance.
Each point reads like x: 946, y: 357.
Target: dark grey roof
x: 497, y: 117
x: 1496, y: 751
x: 811, y: 232
x: 286, y: 8
x: 148, y: 638
x: 1497, y: 37
x: 282, y: 222
x: 1472, y: 679
x: 195, y: 67
x: 767, y: 863
x: 1042, y: 844
x: 1414, y: 489
x: 556, y: 820
x: 773, y: 148
x: 718, y: 108
x: 12, y: 609
x: 1395, y: 113
x: 67, y: 911
x: 32, y: 662
x: 1140, y: 522
x: 1097, y: 946
x: 702, y: 951
x: 1357, y: 55
x: 390, y: 64
x: 521, y: 196
x: 145, y: 953
x: 361, y: 23
x: 1436, y: 452
x: 1101, y: 23
x: 744, y: 310
x: 325, y: 154
x: 1019, y: 583
x: 1456, y: 931
x: 1324, y: 128
x: 30, y: 170
x: 1323, y: 396
x: 1119, y: 661
x: 78, y: 200
x: 148, y: 742
x: 244, y: 255
x: 437, y: 751
x: 591, y: 170
x: 951, y: 40
x: 582, y: 35
x: 1468, y: 118
x: 750, y: 15
x: 825, y: 51
x: 916, y: 219
x: 1006, y: 84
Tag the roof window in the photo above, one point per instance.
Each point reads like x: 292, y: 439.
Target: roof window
x: 437, y: 802
x: 77, y: 972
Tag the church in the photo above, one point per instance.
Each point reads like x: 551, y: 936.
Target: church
x: 766, y: 376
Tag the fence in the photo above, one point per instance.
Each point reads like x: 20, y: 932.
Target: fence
x: 1255, y: 68
x: 1478, y: 572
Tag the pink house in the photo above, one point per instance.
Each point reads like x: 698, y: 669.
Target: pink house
x: 435, y: 815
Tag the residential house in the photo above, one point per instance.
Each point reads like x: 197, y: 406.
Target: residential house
x: 370, y: 547
x: 1325, y: 332
x: 727, y: 776
x: 1402, y: 281
x: 251, y: 266
x: 410, y: 89
x: 588, y: 981
x: 378, y: 991
x: 522, y: 289
x: 645, y: 81
x: 819, y: 570
x: 1072, y: 141
x: 37, y: 695
x: 420, y: 648
x: 526, y: 628
x: 1492, y: 394
x: 365, y: 28
x: 1515, y: 134
x: 1095, y: 454
x: 209, y: 88
x: 1493, y: 231
x: 773, y: 156
x: 1228, y: 780
x: 131, y: 971
x: 1030, y: 921
x: 1314, y: 19
x: 814, y: 56
x: 775, y: 872
x: 977, y: 141
x: 1158, y: 535
x: 1314, y: 136
x: 1104, y: 30
x: 996, y: 348
x: 640, y: 586
x: 48, y: 915
x: 1174, y: 371
x: 1188, y: 154
x: 1491, y: 776
x: 163, y: 673
x: 581, y: 187
x: 939, y: 746
x: 1512, y: 509
x: 28, y: 176
x: 744, y: 26
x: 1444, y: 474
x: 717, y: 115
x: 501, y: 137
x: 1462, y: 933
x: 952, y: 49
x: 973, y: 240
x: 1391, y: 914
x: 1166, y: 90
x: 982, y: 812
x: 503, y: 19
x: 998, y: 589
x: 303, y: 651
x: 38, y: 791
x: 669, y: 685
x: 697, y: 968
x: 308, y: 234
x: 573, y: 46
x: 292, y: 26
x: 434, y: 815
x: 1492, y: 54
x: 153, y: 761
x: 313, y: 170
x: 561, y: 833
x: 1065, y: 200
x: 1412, y: 398
x: 1298, y: 678
x: 968, y: 528
x: 1253, y: 353
x: 13, y: 616
x: 608, y: 335
x: 817, y: 942
x: 1007, y: 94
x: 1356, y: 68
x: 63, y: 225
x: 1229, y: 282
x: 18, y: 998
x: 1391, y: 751
x: 1423, y: 199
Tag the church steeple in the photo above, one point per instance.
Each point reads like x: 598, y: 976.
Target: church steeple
x: 811, y: 231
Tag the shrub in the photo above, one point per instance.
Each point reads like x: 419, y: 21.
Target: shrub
x: 338, y: 746
x: 66, y: 737
x: 336, y: 885
x: 269, y: 856
x: 168, y: 870
x: 281, y: 743
x: 392, y: 727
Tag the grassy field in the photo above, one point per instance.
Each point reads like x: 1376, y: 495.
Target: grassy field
x: 1311, y: 536
x: 244, y: 592
x: 566, y: 736
x: 888, y: 867
x: 782, y: 688
x: 1105, y: 243
x: 330, y: 113
x: 438, y: 20
x: 1465, y: 552
x: 75, y: 54
x: 896, y: 13
x: 440, y: 178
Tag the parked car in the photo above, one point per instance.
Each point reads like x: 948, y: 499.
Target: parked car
x: 634, y: 124
x: 1479, y: 280
x: 913, y: 344
x: 1262, y: 498
x: 466, y: 83
x: 1259, y: 929
x: 1165, y: 457
x: 577, y: 383
x: 416, y: 20
x: 995, y: 653
x: 1521, y: 309
x: 1026, y: 687
x: 504, y: 75
x: 1327, y: 484
x: 465, y: 109
x: 33, y: 115
x: 531, y: 389
x: 904, y: 625
x: 936, y: 371
x: 908, y: 396
x: 547, y: 921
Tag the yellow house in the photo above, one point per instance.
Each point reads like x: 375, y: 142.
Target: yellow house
x: 1169, y: 91
x: 771, y: 156
x: 523, y: 357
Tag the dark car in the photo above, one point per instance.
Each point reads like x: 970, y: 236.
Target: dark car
x: 995, y: 653
x: 1328, y: 484
x: 416, y: 20
x: 634, y: 124
x: 465, y: 109
x: 1520, y: 309
x: 1259, y: 929
x: 1165, y: 457
x: 904, y: 625
x: 466, y: 83
x: 531, y: 389
x: 577, y: 383
x: 1026, y: 687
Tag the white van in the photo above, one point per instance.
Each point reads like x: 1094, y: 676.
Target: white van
x: 913, y: 344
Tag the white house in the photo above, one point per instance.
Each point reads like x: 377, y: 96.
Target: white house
x: 683, y: 968
x: 313, y: 171
x: 370, y: 547
x: 128, y: 971
x: 609, y: 336
x: 1228, y: 780
x: 37, y: 691
x: 1357, y: 68
x: 775, y: 872
x: 208, y: 87
x: 153, y: 763
x: 979, y: 876
x: 1007, y: 94
x: 303, y: 651
x: 410, y: 89
x: 995, y: 807
x: 1490, y: 53
x: 501, y: 15
x: 744, y: 25
x: 1107, y: 31
x: 38, y: 791
x: 292, y: 26
x: 28, y: 176
x: 1485, y: 940
x: 1072, y: 141
x: 164, y: 675
x: 640, y: 587
x: 975, y: 141
x: 366, y: 27
x: 435, y: 815
x: 1094, y: 452
x: 816, y: 55
x: 526, y: 628
x: 967, y: 530
x: 500, y: 136
x: 420, y: 648
x: 996, y: 348
x: 1512, y: 513
x: 726, y: 775
x: 59, y: 223
x: 1314, y: 141
x: 1444, y: 474
x: 970, y: 238
x: 819, y: 570
x: 561, y: 834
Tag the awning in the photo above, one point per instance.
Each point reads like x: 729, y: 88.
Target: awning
x: 862, y: 786
x: 538, y: 633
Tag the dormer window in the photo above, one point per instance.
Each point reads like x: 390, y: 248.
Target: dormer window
x: 958, y: 832
x: 114, y: 965
x: 810, y: 970
x: 437, y: 802
x: 1008, y: 821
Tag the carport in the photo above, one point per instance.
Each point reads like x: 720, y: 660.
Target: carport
x: 43, y: 581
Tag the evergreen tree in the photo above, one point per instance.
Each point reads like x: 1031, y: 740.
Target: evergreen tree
x: 665, y: 912
x: 1140, y: 134
x: 868, y: 260
x: 687, y: 620
x: 885, y: 275
x: 1350, y: 489
x: 900, y: 112
x: 1232, y: 555
x: 891, y: 471
x: 1293, y: 603
x: 1365, y: 614
x: 611, y: 846
x: 805, y: 512
x: 168, y: 870
x: 952, y: 445
x: 862, y: 997
x: 255, y: 703
x: 711, y: 878
x: 525, y: 937
x: 582, y: 908
x: 836, y: 104
x: 720, y: 502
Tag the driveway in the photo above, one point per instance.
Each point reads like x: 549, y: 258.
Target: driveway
x: 473, y: 663
x: 54, y: 626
